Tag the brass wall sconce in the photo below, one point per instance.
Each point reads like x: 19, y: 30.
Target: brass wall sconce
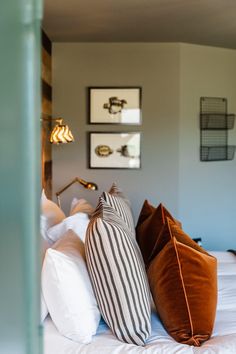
x: 88, y: 185
x: 61, y: 134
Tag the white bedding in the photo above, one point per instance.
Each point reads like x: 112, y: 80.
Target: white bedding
x: 223, y: 340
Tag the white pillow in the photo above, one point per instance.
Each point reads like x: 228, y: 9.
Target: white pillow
x: 44, y: 309
x: 67, y: 290
x: 78, y: 223
x: 51, y: 214
x: 44, y: 246
x: 82, y: 206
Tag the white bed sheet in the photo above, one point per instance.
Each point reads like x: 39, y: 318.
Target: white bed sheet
x: 223, y: 340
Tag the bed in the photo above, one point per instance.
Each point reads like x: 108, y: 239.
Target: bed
x: 223, y: 340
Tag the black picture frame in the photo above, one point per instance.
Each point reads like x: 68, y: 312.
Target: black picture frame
x: 115, y: 150
x: 115, y: 105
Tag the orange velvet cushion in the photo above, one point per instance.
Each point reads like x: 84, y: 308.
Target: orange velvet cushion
x: 166, y: 235
x: 183, y: 282
x: 149, y: 229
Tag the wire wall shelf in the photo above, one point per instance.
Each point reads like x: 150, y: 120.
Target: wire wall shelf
x: 216, y: 121
x: 217, y: 153
x: 214, y: 125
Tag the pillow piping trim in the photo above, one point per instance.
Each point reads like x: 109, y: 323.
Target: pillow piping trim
x: 183, y: 286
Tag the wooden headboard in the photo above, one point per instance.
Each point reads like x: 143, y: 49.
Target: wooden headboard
x: 46, y: 110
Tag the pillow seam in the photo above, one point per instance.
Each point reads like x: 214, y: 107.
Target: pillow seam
x: 183, y: 286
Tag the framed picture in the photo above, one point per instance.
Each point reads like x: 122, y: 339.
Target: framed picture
x: 115, y: 150
x: 115, y: 105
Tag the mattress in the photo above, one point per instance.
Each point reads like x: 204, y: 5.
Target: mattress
x: 223, y: 340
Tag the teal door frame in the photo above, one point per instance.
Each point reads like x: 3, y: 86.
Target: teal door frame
x: 20, y: 109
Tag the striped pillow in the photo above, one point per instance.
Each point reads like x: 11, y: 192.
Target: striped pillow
x: 118, y: 276
x: 115, y: 190
x: 122, y: 208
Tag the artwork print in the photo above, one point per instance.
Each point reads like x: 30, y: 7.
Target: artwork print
x: 115, y: 105
x: 115, y: 150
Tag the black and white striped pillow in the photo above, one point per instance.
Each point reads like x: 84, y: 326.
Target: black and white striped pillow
x: 118, y: 276
x: 117, y: 191
x: 122, y: 208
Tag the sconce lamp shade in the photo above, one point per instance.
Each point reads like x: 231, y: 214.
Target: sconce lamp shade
x: 61, y: 134
x: 88, y: 185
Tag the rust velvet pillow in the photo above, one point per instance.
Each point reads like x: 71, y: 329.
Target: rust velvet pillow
x: 149, y: 230
x: 146, y: 211
x: 183, y: 282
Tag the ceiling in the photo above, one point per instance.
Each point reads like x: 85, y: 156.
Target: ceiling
x: 206, y: 22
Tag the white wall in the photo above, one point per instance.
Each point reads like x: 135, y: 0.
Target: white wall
x: 207, y: 190
x: 173, y: 78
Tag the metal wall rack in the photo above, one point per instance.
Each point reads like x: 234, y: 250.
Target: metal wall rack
x: 214, y: 125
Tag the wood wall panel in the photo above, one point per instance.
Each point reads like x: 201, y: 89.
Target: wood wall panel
x: 46, y: 76
x: 46, y: 67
